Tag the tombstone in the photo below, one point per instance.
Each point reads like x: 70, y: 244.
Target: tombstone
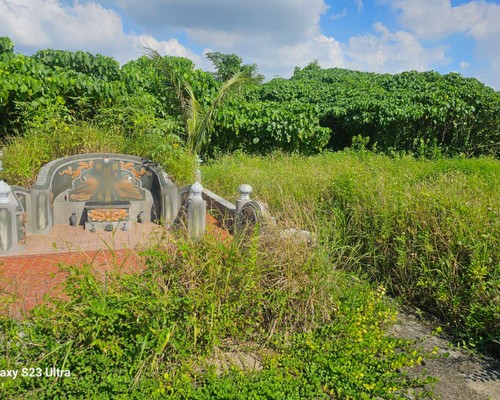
x: 106, y: 192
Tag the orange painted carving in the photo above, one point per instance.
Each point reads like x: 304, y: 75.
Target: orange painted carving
x: 107, y: 214
x: 130, y: 167
x: 77, y: 172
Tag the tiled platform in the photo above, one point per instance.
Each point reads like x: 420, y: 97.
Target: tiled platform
x: 65, y: 239
x: 35, y: 274
x: 31, y: 278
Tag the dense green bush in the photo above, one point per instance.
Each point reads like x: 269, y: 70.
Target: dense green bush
x: 262, y: 126
x: 402, y: 112
x: 419, y: 113
x: 96, y: 65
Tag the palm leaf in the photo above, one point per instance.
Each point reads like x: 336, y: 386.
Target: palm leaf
x: 198, y: 120
x: 228, y: 89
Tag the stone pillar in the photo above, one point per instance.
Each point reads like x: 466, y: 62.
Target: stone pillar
x: 41, y: 208
x: 196, y: 212
x: 170, y: 204
x: 8, y: 221
x: 245, y: 191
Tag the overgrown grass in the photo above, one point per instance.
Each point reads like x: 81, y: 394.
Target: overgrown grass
x: 24, y: 155
x: 316, y: 331
x: 428, y: 230
x: 425, y: 230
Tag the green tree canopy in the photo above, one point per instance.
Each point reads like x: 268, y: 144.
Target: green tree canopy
x: 227, y: 65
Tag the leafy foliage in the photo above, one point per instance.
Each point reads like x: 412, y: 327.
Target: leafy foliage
x: 32, y: 90
x: 227, y: 65
x: 424, y: 114
x: 264, y: 126
x: 411, y: 111
x: 198, y: 119
x: 98, y: 65
x: 6, y: 45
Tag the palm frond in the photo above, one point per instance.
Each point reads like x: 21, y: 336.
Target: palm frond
x: 228, y: 88
x: 197, y: 119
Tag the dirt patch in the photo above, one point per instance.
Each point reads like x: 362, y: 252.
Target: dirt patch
x: 242, y: 356
x: 462, y: 376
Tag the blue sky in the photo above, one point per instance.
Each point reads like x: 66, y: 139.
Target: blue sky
x: 278, y: 35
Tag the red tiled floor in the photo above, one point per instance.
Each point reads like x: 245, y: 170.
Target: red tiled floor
x: 31, y: 278
x: 36, y: 274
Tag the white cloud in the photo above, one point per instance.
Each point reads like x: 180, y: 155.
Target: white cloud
x: 282, y: 21
x: 41, y: 24
x: 438, y: 19
x: 435, y: 19
x: 360, y: 5
x: 341, y: 15
x: 391, y: 52
x: 282, y: 60
x: 280, y: 34
x: 277, y: 35
x: 171, y: 47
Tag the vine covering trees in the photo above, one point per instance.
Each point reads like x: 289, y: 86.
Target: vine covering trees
x: 420, y: 112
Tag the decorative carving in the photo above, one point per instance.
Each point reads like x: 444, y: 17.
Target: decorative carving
x: 77, y: 172
x: 107, y: 182
x: 107, y: 214
x: 137, y: 174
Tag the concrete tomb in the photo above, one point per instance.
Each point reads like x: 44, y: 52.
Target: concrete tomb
x: 107, y: 192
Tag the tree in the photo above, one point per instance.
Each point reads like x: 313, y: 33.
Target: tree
x: 6, y: 48
x: 198, y: 119
x: 227, y: 65
x: 6, y: 45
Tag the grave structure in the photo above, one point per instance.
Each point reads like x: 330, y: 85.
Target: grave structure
x: 111, y: 191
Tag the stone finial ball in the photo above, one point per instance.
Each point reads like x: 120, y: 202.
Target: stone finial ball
x: 5, y: 190
x: 245, y: 191
x: 196, y: 190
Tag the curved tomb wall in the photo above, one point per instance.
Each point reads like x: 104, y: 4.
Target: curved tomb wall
x: 64, y: 186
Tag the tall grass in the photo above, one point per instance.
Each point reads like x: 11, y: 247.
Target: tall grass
x: 428, y: 230
x: 315, y: 331
x: 25, y: 154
